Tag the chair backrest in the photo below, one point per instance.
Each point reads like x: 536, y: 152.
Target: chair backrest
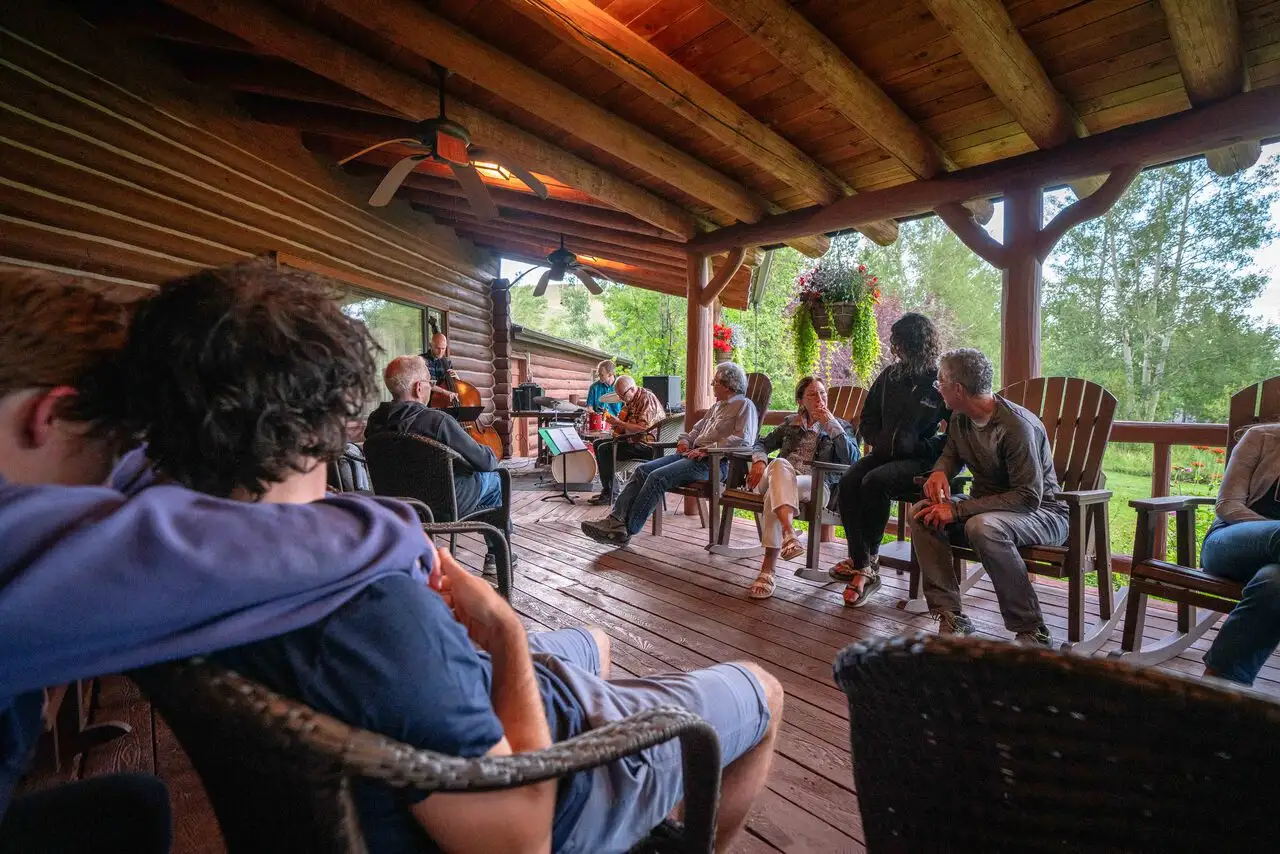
x: 670, y: 428
x: 966, y: 745
x: 1077, y: 415
x: 1257, y: 404
x: 846, y: 402
x: 403, y: 464
x: 350, y: 472
x: 759, y: 390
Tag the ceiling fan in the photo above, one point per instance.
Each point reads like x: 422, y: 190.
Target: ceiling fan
x: 442, y: 140
x: 562, y: 262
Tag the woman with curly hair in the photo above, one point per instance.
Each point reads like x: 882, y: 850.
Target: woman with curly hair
x: 900, y: 426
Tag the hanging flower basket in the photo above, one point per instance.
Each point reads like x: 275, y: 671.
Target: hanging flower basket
x: 836, y: 301
x: 834, y: 319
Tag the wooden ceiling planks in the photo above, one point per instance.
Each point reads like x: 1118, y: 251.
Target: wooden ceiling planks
x: 1112, y: 60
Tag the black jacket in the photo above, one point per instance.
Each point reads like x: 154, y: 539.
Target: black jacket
x: 407, y: 416
x: 901, y: 415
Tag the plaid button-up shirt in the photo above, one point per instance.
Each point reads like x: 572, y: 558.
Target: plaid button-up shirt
x: 643, y: 409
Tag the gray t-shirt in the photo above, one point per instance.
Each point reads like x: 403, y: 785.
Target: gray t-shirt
x: 1009, y: 458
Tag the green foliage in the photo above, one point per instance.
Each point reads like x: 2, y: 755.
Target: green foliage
x: 648, y: 328
x: 805, y: 343
x: 1154, y: 299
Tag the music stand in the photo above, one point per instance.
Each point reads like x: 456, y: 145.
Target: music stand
x: 561, y: 440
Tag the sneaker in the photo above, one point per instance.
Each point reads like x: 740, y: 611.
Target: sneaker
x: 600, y: 500
x: 491, y: 563
x: 1039, y: 637
x: 955, y: 623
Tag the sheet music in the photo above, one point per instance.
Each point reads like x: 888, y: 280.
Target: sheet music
x: 562, y: 440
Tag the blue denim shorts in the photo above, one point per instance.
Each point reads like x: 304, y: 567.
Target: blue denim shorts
x: 631, y: 797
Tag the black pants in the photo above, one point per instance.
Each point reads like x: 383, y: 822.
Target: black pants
x: 113, y: 814
x: 626, y: 451
x: 866, y: 493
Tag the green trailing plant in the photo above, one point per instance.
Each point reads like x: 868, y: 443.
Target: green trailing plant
x: 806, y: 343
x: 864, y: 342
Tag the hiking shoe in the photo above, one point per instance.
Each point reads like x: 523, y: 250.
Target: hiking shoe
x: 600, y: 500
x: 491, y: 563
x: 1039, y: 637
x: 608, y: 531
x: 955, y: 623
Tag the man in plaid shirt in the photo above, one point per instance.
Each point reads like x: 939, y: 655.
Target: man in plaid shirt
x: 631, y: 432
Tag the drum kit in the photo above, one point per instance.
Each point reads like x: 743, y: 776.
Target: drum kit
x: 572, y: 461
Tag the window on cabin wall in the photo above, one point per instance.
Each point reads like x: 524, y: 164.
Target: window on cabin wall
x: 399, y: 328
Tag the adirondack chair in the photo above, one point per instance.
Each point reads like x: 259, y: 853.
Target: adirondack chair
x: 1077, y: 416
x: 845, y: 402
x: 759, y: 390
x: 1181, y: 582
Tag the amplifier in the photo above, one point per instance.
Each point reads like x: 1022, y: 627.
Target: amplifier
x: 666, y: 389
x: 523, y: 395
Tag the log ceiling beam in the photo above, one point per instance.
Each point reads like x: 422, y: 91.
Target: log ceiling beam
x: 1003, y: 59
x: 610, y: 43
x: 410, y: 26
x: 1210, y: 49
x: 809, y: 54
x: 1247, y: 116
x: 276, y: 34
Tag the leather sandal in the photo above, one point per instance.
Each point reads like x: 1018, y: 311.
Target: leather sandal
x: 853, y: 598
x: 842, y: 571
x: 791, y: 548
x: 762, y: 587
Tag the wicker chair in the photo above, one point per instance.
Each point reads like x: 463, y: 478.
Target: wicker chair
x: 350, y: 472
x: 403, y: 464
x: 279, y: 774
x: 665, y: 432
x: 965, y: 745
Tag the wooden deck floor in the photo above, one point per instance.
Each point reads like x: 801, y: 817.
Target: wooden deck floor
x: 668, y: 604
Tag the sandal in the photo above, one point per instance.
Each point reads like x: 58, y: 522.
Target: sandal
x: 791, y: 548
x: 762, y: 587
x: 853, y: 598
x: 842, y: 571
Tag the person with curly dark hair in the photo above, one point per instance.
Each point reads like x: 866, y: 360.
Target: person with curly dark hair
x: 249, y: 377
x: 900, y: 425
x: 94, y: 582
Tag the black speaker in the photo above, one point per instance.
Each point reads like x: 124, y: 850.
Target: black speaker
x: 523, y: 396
x: 666, y: 389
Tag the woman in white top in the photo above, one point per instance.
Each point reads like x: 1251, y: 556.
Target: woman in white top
x: 813, y: 433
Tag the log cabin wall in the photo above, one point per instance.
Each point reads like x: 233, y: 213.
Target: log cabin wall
x: 114, y: 166
x: 561, y: 367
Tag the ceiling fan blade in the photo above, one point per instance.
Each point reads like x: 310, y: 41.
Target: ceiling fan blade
x: 598, y: 275
x: 394, y: 178
x: 588, y: 281
x: 543, y: 280
x: 529, y: 180
x: 362, y: 152
x: 477, y: 193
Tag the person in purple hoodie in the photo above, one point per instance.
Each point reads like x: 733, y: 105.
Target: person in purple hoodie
x: 229, y: 403
x: 92, y: 582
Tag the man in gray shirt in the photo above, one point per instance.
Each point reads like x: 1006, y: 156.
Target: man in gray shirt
x: 1010, y: 505
x: 730, y: 423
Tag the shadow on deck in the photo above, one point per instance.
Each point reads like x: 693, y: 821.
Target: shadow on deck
x: 668, y: 604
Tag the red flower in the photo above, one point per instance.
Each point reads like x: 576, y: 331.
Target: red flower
x: 862, y: 268
x: 1219, y: 451
x: 874, y: 279
x: 875, y: 295
x: 1198, y: 464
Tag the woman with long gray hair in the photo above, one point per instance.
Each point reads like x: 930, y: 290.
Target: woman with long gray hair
x: 900, y: 425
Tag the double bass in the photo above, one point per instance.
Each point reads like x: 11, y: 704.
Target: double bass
x: 468, y: 395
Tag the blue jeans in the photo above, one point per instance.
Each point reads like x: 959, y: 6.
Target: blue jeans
x: 490, y: 496
x: 1247, y: 552
x: 651, y: 480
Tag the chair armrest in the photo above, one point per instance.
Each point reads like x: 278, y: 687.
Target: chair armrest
x: 424, y: 512
x: 1171, y: 503
x: 731, y: 453
x: 818, y: 465
x: 503, y: 558
x: 1084, y: 497
x: 663, y: 446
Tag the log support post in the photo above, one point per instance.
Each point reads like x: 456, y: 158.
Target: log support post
x: 500, y: 322
x: 697, y: 387
x: 1026, y: 245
